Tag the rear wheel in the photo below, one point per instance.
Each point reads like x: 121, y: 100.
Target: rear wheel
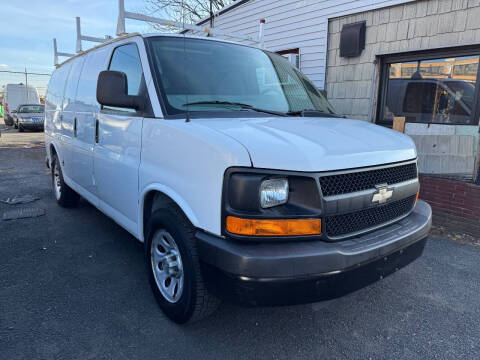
x: 64, y: 194
x: 174, y: 269
x: 20, y: 129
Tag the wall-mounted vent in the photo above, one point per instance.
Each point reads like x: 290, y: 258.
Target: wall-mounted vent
x: 352, y: 39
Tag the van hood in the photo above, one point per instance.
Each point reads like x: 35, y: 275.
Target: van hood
x: 314, y: 144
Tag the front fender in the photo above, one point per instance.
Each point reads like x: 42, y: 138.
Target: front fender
x: 172, y: 194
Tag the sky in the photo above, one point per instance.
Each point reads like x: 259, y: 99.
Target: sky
x: 28, y: 27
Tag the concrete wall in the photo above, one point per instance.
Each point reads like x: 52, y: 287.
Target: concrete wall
x: 419, y: 25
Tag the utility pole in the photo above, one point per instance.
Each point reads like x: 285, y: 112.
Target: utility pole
x: 26, y: 84
x: 211, y: 14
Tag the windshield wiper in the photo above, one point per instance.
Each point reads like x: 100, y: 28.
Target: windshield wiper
x: 313, y: 113
x: 241, y: 105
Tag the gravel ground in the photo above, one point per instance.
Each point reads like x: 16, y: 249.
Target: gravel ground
x: 73, y: 286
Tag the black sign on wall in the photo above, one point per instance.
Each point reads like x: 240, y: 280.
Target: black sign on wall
x: 352, y: 39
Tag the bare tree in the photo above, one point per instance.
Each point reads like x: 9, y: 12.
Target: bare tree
x: 189, y: 11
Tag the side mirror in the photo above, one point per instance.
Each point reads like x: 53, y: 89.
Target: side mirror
x: 14, y: 111
x: 112, y: 90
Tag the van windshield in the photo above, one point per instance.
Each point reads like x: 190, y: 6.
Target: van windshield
x: 31, y: 109
x: 204, y: 75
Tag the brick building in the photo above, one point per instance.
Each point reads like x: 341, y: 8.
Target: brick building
x: 390, y: 60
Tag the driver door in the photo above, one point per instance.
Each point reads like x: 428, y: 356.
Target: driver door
x: 118, y: 134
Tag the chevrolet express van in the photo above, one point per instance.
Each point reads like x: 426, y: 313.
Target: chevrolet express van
x: 234, y: 171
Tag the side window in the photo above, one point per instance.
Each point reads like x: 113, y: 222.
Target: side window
x: 72, y: 82
x: 126, y: 59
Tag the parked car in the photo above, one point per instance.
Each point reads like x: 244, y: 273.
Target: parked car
x: 30, y: 117
x: 234, y: 171
x: 15, y: 95
x: 9, y: 119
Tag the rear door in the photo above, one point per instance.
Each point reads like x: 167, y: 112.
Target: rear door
x: 117, y: 150
x: 86, y: 112
x: 53, y: 108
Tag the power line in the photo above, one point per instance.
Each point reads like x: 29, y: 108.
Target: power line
x: 22, y: 72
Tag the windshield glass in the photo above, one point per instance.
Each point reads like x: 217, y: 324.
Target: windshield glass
x: 31, y: 109
x: 206, y: 75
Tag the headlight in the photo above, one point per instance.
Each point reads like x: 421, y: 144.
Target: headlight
x: 273, y: 192
x: 260, y: 204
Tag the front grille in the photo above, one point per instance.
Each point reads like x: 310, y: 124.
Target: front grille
x: 363, y: 180
x: 341, y: 225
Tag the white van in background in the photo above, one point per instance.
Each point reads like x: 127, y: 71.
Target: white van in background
x: 18, y: 94
x: 234, y: 170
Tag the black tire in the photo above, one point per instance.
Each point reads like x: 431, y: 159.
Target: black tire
x: 21, y: 129
x: 66, y: 197
x: 195, y: 302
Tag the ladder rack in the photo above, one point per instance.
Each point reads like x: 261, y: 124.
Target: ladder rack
x: 57, y: 53
x: 122, y: 15
x: 81, y: 37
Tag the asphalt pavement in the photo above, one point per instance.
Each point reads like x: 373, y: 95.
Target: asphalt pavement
x: 73, y: 285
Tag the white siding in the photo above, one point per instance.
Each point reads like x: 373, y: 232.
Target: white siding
x: 294, y: 24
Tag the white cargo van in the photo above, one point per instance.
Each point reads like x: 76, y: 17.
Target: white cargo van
x: 18, y: 94
x: 234, y: 171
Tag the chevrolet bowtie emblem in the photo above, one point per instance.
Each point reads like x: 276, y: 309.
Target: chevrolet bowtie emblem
x: 382, y: 194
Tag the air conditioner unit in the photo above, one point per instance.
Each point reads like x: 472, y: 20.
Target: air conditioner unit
x: 294, y: 59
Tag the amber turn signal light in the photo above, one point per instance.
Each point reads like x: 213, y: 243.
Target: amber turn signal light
x: 282, y: 227
x: 416, y: 198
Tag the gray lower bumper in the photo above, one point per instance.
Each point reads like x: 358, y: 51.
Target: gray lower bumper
x: 297, y: 259
x: 33, y: 126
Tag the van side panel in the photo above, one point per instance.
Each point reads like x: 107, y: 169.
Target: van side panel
x: 86, y: 111
x: 68, y: 119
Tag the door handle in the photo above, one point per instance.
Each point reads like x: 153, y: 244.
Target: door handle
x: 96, y: 131
x: 75, y: 126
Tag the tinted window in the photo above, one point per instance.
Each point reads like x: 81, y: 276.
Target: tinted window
x: 31, y: 109
x: 126, y: 59
x: 431, y: 91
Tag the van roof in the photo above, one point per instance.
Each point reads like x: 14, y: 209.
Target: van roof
x: 126, y: 36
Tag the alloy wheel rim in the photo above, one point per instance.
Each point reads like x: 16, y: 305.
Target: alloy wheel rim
x: 167, y: 266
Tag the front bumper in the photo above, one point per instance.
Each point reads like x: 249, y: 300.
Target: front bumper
x: 300, y: 272
x: 31, y: 125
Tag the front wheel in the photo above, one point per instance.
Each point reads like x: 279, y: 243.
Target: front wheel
x: 64, y: 194
x: 174, y: 269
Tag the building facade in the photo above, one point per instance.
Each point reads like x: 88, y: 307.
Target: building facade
x: 416, y: 65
